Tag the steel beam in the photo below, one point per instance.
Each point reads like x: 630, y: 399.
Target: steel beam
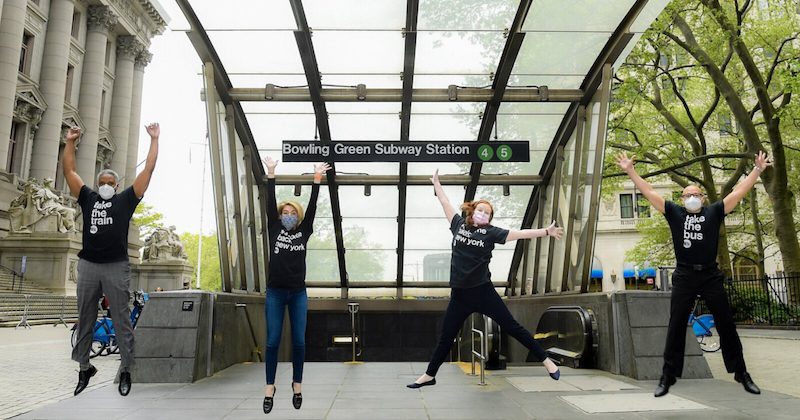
x: 302, y: 94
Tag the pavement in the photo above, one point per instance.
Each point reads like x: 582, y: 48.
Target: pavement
x: 43, y: 390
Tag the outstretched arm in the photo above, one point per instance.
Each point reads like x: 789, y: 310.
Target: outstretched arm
x: 272, y: 204
x: 449, y: 211
x: 311, y: 209
x: 741, y: 189
x: 142, y: 180
x: 626, y: 164
x: 68, y: 162
x: 551, y: 230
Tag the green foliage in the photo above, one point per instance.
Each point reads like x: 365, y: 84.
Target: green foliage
x: 147, y: 218
x: 210, y: 277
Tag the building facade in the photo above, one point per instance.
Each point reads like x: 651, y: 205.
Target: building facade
x: 70, y: 63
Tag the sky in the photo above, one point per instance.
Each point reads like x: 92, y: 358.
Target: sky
x: 171, y: 97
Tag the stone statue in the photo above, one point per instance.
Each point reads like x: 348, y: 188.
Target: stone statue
x: 40, y: 209
x: 163, y: 245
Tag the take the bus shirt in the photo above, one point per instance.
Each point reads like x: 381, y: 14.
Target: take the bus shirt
x: 105, y: 225
x: 695, y: 236
x: 472, y: 251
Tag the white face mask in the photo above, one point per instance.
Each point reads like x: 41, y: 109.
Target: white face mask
x: 106, y: 191
x: 693, y: 204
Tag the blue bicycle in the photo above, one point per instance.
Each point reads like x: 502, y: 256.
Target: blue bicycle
x: 104, y: 339
x: 702, y: 325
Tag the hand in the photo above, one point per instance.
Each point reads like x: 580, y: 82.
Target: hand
x: 73, y: 133
x: 762, y: 161
x: 153, y: 130
x: 625, y: 163
x: 270, y: 163
x: 554, y: 231
x: 320, y: 169
x: 435, y: 178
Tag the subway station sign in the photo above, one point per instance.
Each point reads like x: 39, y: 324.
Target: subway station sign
x: 417, y: 151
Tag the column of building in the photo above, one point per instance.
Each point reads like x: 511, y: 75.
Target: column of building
x: 12, y: 27
x: 127, y: 50
x: 44, y: 159
x: 101, y: 20
x: 142, y: 60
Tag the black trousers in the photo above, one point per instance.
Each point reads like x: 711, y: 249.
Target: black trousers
x: 484, y: 300
x: 709, y: 284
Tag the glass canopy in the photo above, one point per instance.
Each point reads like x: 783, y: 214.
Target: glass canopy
x: 412, y: 71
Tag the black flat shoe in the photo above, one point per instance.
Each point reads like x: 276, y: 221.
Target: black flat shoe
x: 124, y: 383
x: 747, y: 383
x: 416, y: 385
x: 555, y: 375
x: 83, y: 379
x: 268, y: 403
x: 297, y: 398
x: 663, y: 385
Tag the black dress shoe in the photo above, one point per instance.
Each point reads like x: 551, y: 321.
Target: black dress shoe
x: 555, y: 375
x: 268, y: 403
x: 83, y: 379
x: 747, y: 383
x: 124, y: 383
x: 416, y: 385
x: 297, y: 398
x: 663, y: 385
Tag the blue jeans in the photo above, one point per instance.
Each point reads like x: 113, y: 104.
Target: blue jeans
x: 277, y: 301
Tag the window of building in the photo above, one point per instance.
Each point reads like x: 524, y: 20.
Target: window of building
x: 15, y: 148
x: 108, y: 53
x: 626, y: 206
x: 25, y: 53
x: 725, y: 124
x: 76, y: 24
x: 68, y: 84
x: 103, y: 107
x: 642, y: 206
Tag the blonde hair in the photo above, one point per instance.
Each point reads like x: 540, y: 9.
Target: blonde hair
x: 469, y: 207
x: 294, y: 204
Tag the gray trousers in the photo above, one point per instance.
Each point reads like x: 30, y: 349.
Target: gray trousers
x: 94, y: 281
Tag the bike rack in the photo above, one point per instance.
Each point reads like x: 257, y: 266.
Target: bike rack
x: 256, y: 350
x: 352, y: 308
x: 61, y: 318
x: 483, y: 352
x: 24, y: 321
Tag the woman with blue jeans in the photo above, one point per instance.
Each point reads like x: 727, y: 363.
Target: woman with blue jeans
x: 288, y: 231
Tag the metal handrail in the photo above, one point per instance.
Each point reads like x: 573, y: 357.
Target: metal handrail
x: 484, y: 351
x: 256, y: 349
x: 14, y: 275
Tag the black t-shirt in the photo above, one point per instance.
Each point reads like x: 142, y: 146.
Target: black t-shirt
x: 695, y: 236
x: 472, y: 251
x: 287, y: 259
x: 105, y: 225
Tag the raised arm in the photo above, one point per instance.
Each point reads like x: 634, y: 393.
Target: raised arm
x: 272, y: 203
x: 311, y: 209
x: 626, y: 164
x: 68, y: 163
x: 741, y: 189
x: 551, y: 230
x: 142, y: 180
x: 449, y: 211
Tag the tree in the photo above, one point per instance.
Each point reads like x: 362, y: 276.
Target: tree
x: 147, y: 218
x: 210, y: 277
x: 706, y: 68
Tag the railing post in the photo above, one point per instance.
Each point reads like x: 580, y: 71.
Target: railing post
x: 61, y: 319
x: 352, y: 307
x: 24, y: 321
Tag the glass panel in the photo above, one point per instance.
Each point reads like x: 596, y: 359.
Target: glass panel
x: 536, y: 108
x: 649, y: 13
x: 392, y: 108
x: 259, y: 78
x: 444, y: 168
x: 625, y: 206
x: 456, y: 127
x: 423, y: 203
x: 283, y: 56
x: 382, y: 203
x: 446, y: 108
x: 256, y: 108
x: 428, y: 234
x: 246, y: 218
x: 509, y: 209
x: 370, y: 168
x: 325, y: 267
x: 368, y: 52
x: 460, y: 52
x: 355, y: 14
x: 551, y: 81
x: 559, y: 53
x: 576, y: 15
x: 366, y: 234
x: 371, y: 265
x: 501, y: 262
x: 468, y: 15
x: 546, y: 216
x: 229, y: 202
x: 260, y: 14
x: 441, y: 81
x: 365, y: 127
x: 387, y: 81
x: 539, y: 130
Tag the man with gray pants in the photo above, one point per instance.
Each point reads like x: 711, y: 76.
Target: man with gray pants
x: 103, y: 268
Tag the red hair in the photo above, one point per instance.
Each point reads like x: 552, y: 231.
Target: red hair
x: 469, y: 207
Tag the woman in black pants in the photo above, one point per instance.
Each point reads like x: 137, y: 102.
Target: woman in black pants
x: 470, y: 279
